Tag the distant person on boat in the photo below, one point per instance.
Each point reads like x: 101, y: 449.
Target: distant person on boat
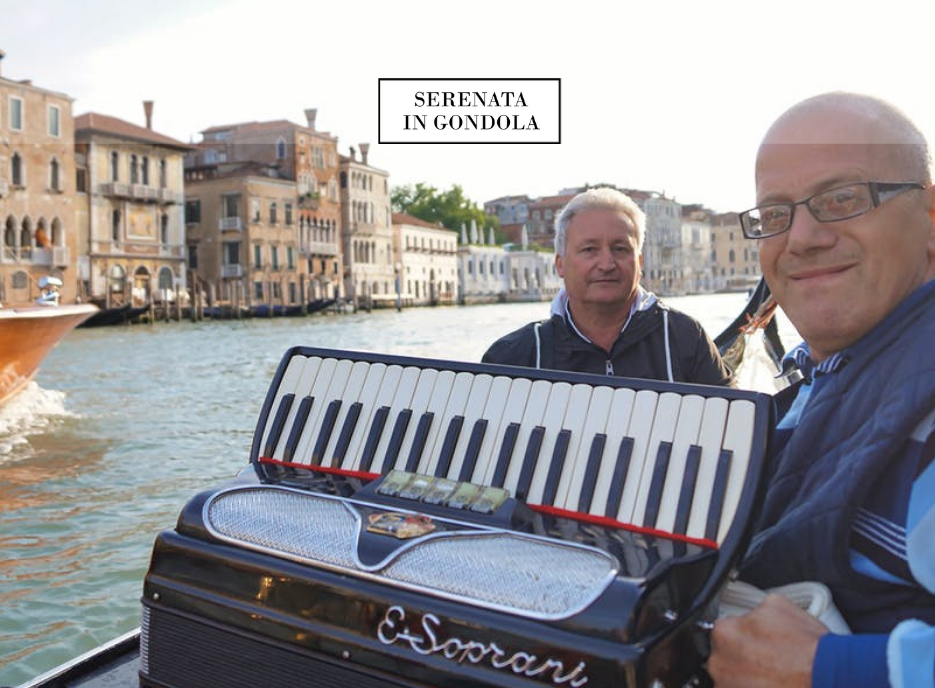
x: 603, y: 321
x: 845, y: 223
x: 49, y: 294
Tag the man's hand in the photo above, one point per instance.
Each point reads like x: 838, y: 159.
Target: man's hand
x: 774, y: 645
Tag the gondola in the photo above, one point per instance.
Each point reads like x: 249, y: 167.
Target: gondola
x: 116, y: 664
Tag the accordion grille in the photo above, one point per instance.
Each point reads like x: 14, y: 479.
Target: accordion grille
x: 495, y: 569
x: 286, y: 523
x: 507, y: 571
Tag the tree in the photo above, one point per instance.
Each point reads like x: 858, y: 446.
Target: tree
x: 450, y: 208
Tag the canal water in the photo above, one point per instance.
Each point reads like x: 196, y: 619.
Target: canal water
x: 124, y: 424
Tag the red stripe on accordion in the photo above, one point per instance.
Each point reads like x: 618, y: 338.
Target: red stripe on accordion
x: 620, y: 525
x: 322, y: 469
x: 605, y: 521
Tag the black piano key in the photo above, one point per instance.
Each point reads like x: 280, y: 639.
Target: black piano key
x: 347, y: 432
x: 718, y: 492
x: 448, y: 446
x: 418, y: 442
x: 298, y: 425
x: 684, y: 509
x: 657, y: 485
x: 556, y: 466
x: 473, y: 449
x: 396, y: 440
x: 619, y: 477
x: 503, y: 456
x: 530, y: 459
x: 373, y: 437
x: 590, y: 472
x: 324, y: 433
x: 278, y: 422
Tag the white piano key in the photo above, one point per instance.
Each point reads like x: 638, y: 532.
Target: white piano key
x: 352, y: 392
x: 319, y: 391
x: 738, y: 438
x: 572, y: 406
x: 618, y: 426
x: 493, y: 411
x: 457, y: 400
x: 476, y: 401
x: 536, y: 404
x: 401, y: 400
x: 296, y: 371
x: 418, y: 405
x: 597, y: 413
x: 641, y: 427
x: 687, y: 432
x: 440, y: 393
x: 710, y: 438
x: 664, y: 424
x: 513, y: 411
x: 378, y: 391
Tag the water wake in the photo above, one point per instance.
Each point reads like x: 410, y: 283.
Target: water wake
x: 31, y: 410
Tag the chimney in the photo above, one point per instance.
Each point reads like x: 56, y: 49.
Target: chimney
x: 148, y: 109
x: 364, y: 150
x: 353, y: 154
x: 2, y: 55
x: 310, y: 115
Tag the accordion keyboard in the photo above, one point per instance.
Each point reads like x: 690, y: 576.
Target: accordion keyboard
x: 667, y: 457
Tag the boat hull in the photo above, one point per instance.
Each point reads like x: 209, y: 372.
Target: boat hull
x: 27, y: 335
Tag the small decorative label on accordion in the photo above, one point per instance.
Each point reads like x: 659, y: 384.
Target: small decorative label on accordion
x: 400, y: 526
x: 425, y: 639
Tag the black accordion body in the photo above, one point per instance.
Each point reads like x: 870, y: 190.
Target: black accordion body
x: 412, y: 522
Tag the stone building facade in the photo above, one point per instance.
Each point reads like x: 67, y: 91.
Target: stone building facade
x: 39, y: 202
x: 427, y: 262
x: 132, y: 235
x: 366, y: 231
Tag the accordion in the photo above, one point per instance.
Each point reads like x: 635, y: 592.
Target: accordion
x: 414, y: 522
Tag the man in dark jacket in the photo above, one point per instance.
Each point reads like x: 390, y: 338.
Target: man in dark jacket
x: 603, y: 321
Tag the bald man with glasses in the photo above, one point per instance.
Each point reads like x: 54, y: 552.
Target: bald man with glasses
x: 846, y: 232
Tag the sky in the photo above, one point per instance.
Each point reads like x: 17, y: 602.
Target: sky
x: 667, y: 96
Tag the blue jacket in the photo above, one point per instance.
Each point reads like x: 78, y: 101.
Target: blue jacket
x: 856, y: 428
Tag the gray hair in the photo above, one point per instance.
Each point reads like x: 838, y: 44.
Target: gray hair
x: 603, y: 198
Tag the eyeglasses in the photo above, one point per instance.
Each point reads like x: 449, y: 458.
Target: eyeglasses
x: 833, y: 205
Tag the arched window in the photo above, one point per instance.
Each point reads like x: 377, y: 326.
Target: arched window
x: 115, y: 225
x: 16, y: 170
x: 134, y: 170
x: 165, y: 278
x: 114, y: 167
x: 164, y: 229
x: 144, y: 170
x: 58, y: 233
x: 117, y: 278
x: 9, y: 234
x: 54, y: 176
x: 42, y: 236
x: 162, y: 174
x: 281, y: 149
x: 25, y: 238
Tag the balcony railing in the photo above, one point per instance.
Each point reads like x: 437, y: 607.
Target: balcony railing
x: 115, y: 189
x: 143, y: 192
x: 320, y: 248
x: 231, y: 224
x: 171, y: 196
x: 232, y: 271
x: 57, y: 256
